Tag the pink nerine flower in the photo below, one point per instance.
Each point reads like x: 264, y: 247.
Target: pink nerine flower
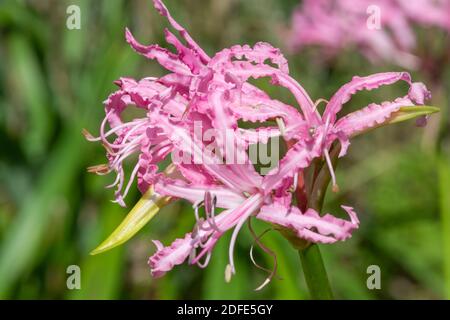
x: 203, y: 94
x: 381, y: 29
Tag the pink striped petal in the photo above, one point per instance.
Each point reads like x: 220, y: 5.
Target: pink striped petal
x: 310, y: 225
x: 166, y: 258
x: 298, y: 157
x: 371, y: 82
x: 226, y: 198
x: 183, y: 33
x: 374, y: 114
x: 164, y: 57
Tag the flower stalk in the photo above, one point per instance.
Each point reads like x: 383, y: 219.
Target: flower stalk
x: 310, y: 257
x: 315, y: 273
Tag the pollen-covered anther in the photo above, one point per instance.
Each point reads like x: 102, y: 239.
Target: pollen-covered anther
x: 228, y: 273
x: 99, y: 169
x: 87, y: 134
x: 335, y: 188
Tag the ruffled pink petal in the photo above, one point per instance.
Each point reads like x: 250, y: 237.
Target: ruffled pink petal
x: 184, y: 140
x: 310, y: 225
x: 374, y: 114
x: 226, y: 198
x: 228, y: 139
x: 187, y: 56
x: 196, y: 174
x: 166, y: 258
x: 257, y: 54
x: 299, y: 156
x: 371, y: 82
x: 164, y: 57
x: 183, y: 33
x: 419, y: 93
x: 371, y: 116
x: 254, y: 67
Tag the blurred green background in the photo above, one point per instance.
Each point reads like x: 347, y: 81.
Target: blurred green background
x: 53, y: 213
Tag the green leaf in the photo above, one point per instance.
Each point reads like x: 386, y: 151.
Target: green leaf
x: 144, y: 210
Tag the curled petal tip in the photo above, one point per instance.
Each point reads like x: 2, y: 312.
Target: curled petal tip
x: 419, y: 92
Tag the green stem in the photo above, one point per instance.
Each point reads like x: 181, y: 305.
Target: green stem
x: 444, y: 177
x: 315, y: 273
x: 313, y: 267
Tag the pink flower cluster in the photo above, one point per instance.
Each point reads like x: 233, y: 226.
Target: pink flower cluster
x: 215, y: 92
x: 380, y: 29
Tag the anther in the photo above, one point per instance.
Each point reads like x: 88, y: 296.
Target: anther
x: 99, y: 169
x: 228, y: 273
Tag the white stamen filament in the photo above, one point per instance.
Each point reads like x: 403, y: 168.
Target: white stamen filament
x: 124, y: 125
x: 316, y: 104
x: 205, y: 263
x: 335, y: 187
x: 210, y: 217
x: 273, y: 272
x: 116, y: 181
x: 234, y: 237
x: 295, y: 181
x: 196, y: 206
x: 130, y: 181
x: 281, y: 126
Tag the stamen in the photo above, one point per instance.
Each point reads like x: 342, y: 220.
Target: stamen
x: 267, y: 281
x: 192, y: 255
x: 130, y: 181
x: 108, y: 148
x: 252, y: 258
x: 137, y: 123
x: 99, y: 169
x: 335, y: 187
x: 281, y: 126
x: 234, y: 237
x: 210, y: 207
x: 116, y: 181
x: 205, y: 263
x: 196, y: 206
x: 228, y: 273
x: 319, y: 101
x: 88, y: 135
x: 272, y: 272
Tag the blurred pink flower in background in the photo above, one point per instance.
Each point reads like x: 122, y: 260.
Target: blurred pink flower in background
x: 381, y: 29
